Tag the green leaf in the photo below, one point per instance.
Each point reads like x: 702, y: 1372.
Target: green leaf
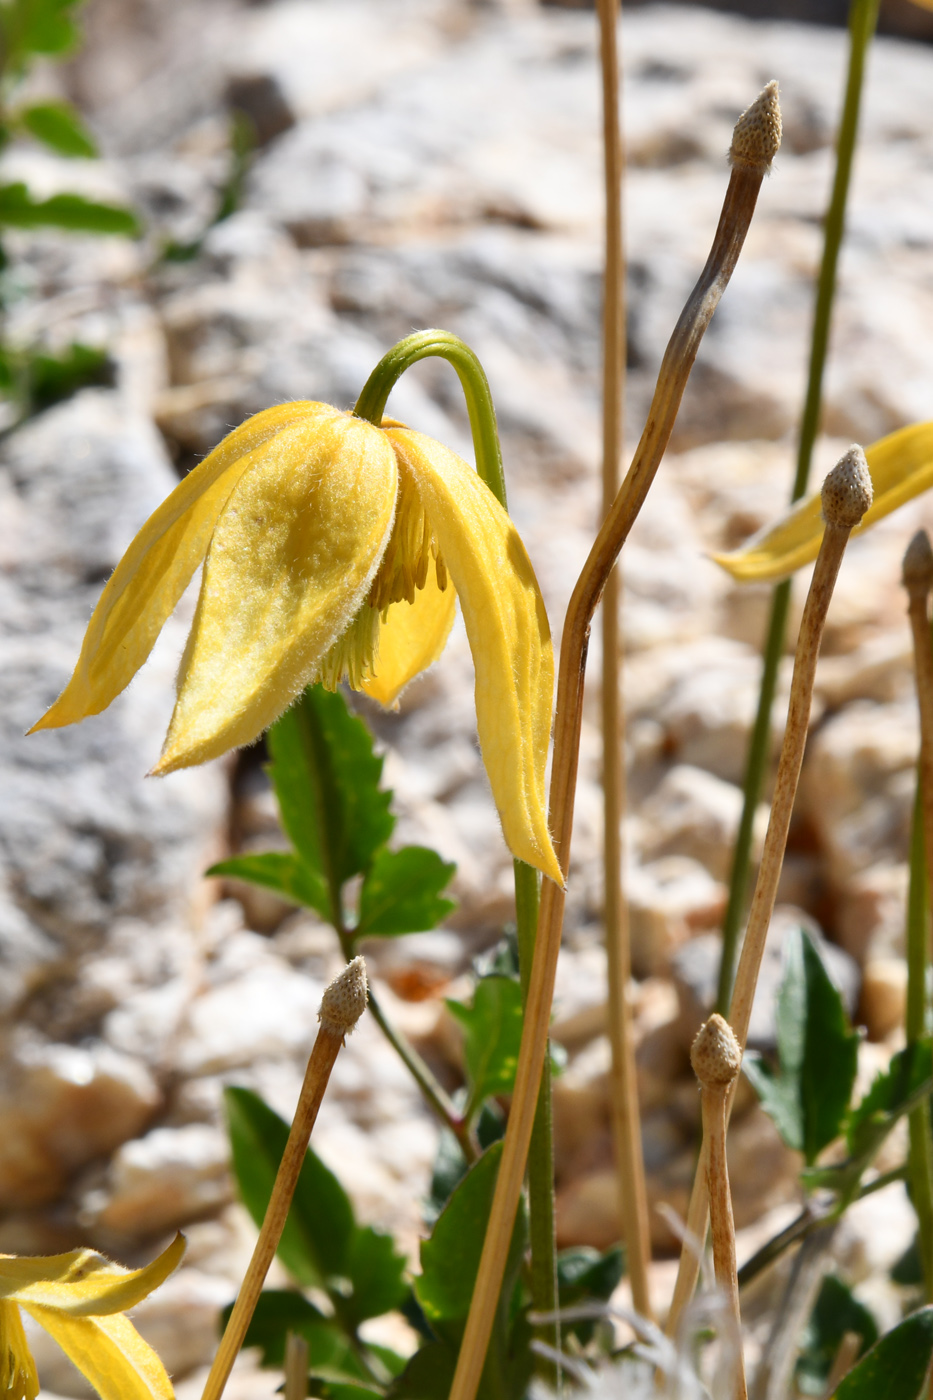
x: 280, y: 1311
x: 450, y: 1258
x: 835, y: 1313
x: 817, y: 1053
x: 326, y: 778
x: 58, y: 125
x: 376, y: 1273
x: 318, y: 1235
x: 492, y: 1035
x: 37, y: 26
x: 401, y: 892
x: 51, y: 378
x: 583, y: 1274
x: 280, y: 871
x: 18, y: 209
x: 893, y: 1092
x: 896, y: 1367
x: 428, y: 1376
x: 450, y: 1165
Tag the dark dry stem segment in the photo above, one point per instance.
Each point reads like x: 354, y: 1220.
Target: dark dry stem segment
x: 846, y: 497
x: 738, y: 208
x: 918, y: 581
x: 342, y: 1005
x: 716, y: 1058
x: 296, y: 1367
x: 626, y: 1119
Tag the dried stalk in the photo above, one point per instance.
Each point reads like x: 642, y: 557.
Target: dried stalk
x: 846, y: 496
x: 716, y: 1057
x: 779, y: 1357
x: 342, y: 1005
x: 755, y: 142
x: 845, y: 1359
x: 626, y: 1120
x: 296, y: 1367
x: 918, y: 581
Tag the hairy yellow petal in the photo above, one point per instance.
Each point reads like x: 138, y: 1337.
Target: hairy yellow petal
x: 83, y: 1283
x: 158, y: 566
x: 110, y: 1352
x: 411, y: 639
x: 508, y: 632
x: 901, y: 467
x: 18, y: 1378
x: 290, y: 563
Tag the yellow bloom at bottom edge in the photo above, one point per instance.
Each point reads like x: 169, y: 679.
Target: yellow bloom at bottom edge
x: 332, y: 550
x: 80, y: 1299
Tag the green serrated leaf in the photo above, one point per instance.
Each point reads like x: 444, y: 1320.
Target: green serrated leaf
x: 401, y: 892
x: 59, y: 126
x: 326, y: 778
x: 835, y: 1313
x: 280, y: 871
x: 817, y: 1053
x: 492, y: 1036
x: 893, y: 1092
x: 896, y: 1367
x: 428, y: 1375
x: 318, y: 1235
x: 376, y: 1273
x: 73, y: 212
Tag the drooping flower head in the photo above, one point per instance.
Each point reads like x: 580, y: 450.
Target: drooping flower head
x: 80, y: 1298
x: 332, y: 550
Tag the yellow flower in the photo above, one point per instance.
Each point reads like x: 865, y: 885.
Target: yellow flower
x: 80, y: 1299
x: 901, y: 467
x: 331, y: 549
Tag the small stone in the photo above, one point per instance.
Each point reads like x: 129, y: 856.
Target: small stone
x: 669, y: 901
x: 694, y: 813
x: 884, y: 996
x: 162, y: 1181
x: 873, y: 911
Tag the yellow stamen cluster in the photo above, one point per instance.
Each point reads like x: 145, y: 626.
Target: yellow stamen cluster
x: 404, y: 567
x: 18, y: 1379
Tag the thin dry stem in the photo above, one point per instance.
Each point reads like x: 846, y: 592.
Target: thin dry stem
x: 296, y: 1367
x: 844, y: 1360
x: 716, y: 1059
x: 738, y: 208
x: 626, y: 1120
x: 846, y: 496
x: 342, y: 1004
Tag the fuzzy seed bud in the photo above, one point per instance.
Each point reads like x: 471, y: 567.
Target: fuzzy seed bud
x: 344, y: 1001
x: 715, y: 1054
x: 757, y: 135
x: 847, y: 490
x: 918, y: 564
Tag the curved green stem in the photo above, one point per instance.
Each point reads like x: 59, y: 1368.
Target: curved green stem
x: 863, y: 19
x: 920, y: 1153
x: 372, y: 401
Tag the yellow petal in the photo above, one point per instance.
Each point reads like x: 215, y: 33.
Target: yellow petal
x: 84, y: 1283
x: 411, y: 639
x: 157, y: 567
x: 901, y: 467
x: 18, y: 1379
x: 508, y: 632
x: 290, y: 563
x: 110, y: 1352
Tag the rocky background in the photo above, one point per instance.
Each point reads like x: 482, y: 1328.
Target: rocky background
x: 437, y: 162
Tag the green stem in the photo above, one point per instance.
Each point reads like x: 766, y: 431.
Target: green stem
x: 372, y: 401
x: 920, y: 1154
x: 542, y: 1228
x: 863, y: 19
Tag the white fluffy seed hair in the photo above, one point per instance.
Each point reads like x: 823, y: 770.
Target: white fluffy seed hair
x: 847, y: 491
x: 344, y: 1001
x: 715, y: 1054
x: 757, y: 135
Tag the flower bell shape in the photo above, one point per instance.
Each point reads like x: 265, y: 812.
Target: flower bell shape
x: 80, y: 1299
x: 332, y: 550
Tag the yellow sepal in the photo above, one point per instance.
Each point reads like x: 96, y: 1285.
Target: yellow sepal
x: 289, y: 565
x: 509, y: 637
x: 18, y: 1377
x: 901, y: 467
x: 411, y: 639
x: 109, y: 1352
x: 84, y: 1283
x: 158, y: 566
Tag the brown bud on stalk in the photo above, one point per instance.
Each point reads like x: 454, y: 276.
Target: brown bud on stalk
x: 756, y: 138
x: 342, y: 1005
x: 716, y: 1057
x: 846, y: 496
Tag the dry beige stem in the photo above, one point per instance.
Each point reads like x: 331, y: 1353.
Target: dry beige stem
x: 626, y: 1119
x: 844, y: 1360
x: 296, y: 1367
x: 734, y: 222
x: 846, y: 496
x: 342, y: 1004
x: 716, y: 1057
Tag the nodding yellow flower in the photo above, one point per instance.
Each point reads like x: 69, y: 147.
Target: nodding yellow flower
x: 332, y: 550
x: 80, y: 1299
